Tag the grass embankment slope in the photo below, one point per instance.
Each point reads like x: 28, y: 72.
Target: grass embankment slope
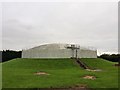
x: 20, y: 73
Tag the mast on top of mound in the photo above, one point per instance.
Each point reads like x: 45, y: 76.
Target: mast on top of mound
x: 74, y: 49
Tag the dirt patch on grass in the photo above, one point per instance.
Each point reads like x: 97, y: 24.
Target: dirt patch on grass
x: 41, y: 73
x: 95, y: 70
x: 89, y: 77
x: 81, y: 86
x: 76, y: 87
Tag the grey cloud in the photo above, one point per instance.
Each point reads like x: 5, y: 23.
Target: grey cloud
x: 89, y: 24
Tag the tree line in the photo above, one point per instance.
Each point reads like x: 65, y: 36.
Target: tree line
x: 111, y: 57
x: 10, y: 54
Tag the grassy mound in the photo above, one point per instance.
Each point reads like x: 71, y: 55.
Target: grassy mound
x: 20, y: 73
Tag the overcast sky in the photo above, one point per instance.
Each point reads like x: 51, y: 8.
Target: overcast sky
x: 26, y: 25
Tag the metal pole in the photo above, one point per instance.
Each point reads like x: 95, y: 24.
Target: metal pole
x: 76, y: 53
x: 72, y: 53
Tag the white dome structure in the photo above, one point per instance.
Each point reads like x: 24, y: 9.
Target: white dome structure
x: 59, y: 51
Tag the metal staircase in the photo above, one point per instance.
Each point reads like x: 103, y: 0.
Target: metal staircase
x: 82, y: 64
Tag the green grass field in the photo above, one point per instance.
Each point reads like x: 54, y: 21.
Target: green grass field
x: 20, y: 73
